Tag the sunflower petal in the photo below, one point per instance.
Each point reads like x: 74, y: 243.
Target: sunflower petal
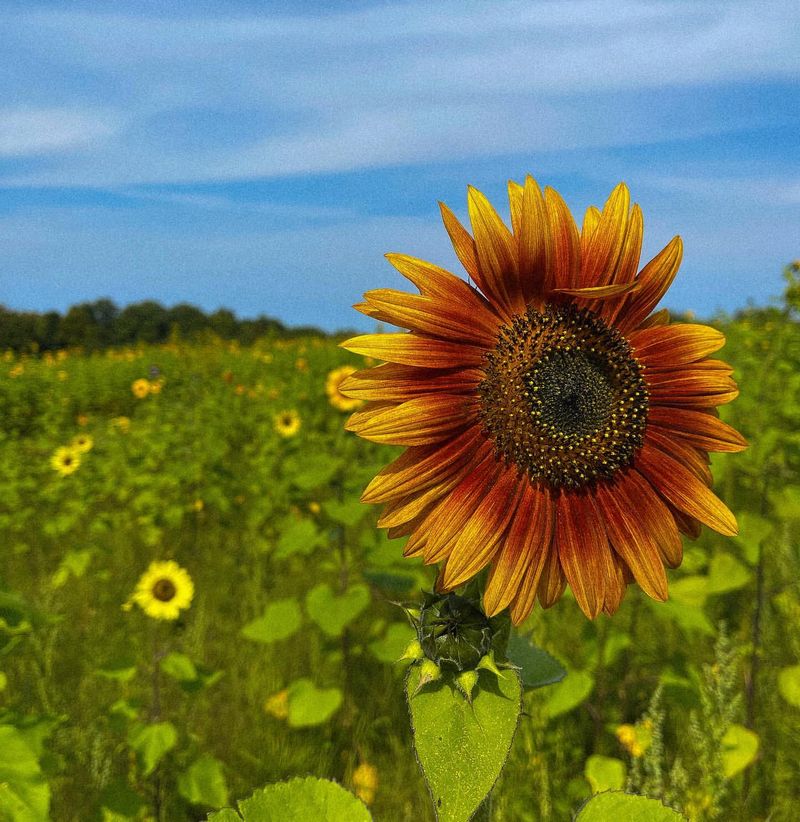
x: 521, y: 559
x: 564, y: 256
x: 420, y: 467
x: 420, y: 421
x: 666, y: 346
x: 452, y: 319
x: 599, y: 292
x: 412, y: 349
x: 607, y: 240
x: 630, y: 539
x: 496, y: 253
x: 480, y: 537
x: 552, y: 582
x: 535, y: 243
x: 581, y: 542
x: 391, y: 382
x: 681, y: 488
x: 700, y: 429
x: 655, y: 278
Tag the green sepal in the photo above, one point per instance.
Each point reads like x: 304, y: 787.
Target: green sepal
x: 466, y: 682
x: 413, y: 651
x: 429, y: 672
x: 487, y: 663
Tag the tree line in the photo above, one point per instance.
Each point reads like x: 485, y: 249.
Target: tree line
x: 101, y: 324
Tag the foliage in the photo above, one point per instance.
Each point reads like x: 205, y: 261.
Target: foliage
x: 284, y: 663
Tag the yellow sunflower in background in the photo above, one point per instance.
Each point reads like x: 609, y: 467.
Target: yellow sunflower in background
x: 82, y: 443
x: 335, y: 396
x: 163, y: 590
x: 65, y: 460
x: 556, y: 429
x: 287, y: 423
x: 140, y: 388
x: 365, y: 782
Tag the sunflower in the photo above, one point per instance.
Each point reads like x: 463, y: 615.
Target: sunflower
x: 287, y: 423
x: 557, y: 430
x: 140, y: 388
x: 66, y: 460
x: 163, y: 590
x: 82, y: 443
x: 335, y: 396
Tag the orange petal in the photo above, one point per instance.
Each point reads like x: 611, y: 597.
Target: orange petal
x: 564, y: 256
x: 591, y: 219
x: 523, y: 552
x: 599, y: 292
x: 630, y: 538
x: 483, y: 532
x: 581, y: 542
x: 420, y: 421
x: 412, y: 349
x: 433, y: 281
x: 671, y: 345
x: 659, y: 318
x: 391, y: 382
x: 695, y: 460
x: 700, y: 429
x: 451, y: 319
x: 535, y: 243
x: 497, y: 257
x: 552, y: 582
x: 681, y: 488
x: 698, y: 387
x: 420, y: 467
x: 656, y: 518
x: 616, y: 584
x: 463, y: 244
x: 654, y: 279
x: 603, y: 249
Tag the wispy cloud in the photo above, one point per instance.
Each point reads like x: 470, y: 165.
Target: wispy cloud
x: 268, y: 95
x: 31, y: 131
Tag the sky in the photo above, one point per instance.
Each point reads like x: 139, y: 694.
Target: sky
x: 264, y: 156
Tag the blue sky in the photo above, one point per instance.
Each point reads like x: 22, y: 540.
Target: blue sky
x: 264, y: 156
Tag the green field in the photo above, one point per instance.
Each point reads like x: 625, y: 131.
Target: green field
x: 284, y: 664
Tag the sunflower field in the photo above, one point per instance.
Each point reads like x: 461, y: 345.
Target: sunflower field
x: 195, y: 604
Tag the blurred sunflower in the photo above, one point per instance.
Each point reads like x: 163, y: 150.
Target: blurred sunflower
x: 163, y: 590
x: 287, y: 423
x: 122, y: 424
x: 82, y: 443
x: 65, y: 460
x: 365, y: 782
x: 140, y: 388
x: 557, y: 430
x: 335, y: 396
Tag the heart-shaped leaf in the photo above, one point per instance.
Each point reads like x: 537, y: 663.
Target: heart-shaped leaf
x: 280, y: 620
x: 462, y: 747
x: 310, y: 705
x: 334, y: 612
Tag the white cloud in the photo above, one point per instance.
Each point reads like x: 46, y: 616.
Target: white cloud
x: 391, y: 84
x: 32, y: 131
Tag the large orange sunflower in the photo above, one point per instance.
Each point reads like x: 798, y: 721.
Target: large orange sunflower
x: 556, y: 429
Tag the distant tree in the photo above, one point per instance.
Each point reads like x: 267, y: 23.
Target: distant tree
x: 147, y: 322
x: 186, y: 320
x: 223, y: 323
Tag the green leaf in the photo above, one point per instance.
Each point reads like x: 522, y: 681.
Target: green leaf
x: 569, y: 693
x: 739, y: 749
x: 333, y: 612
x: 605, y: 773
x: 690, y: 590
x: 462, y: 747
x: 24, y: 793
x: 298, y: 800
x: 300, y: 536
x: 281, y: 619
x: 726, y: 574
x: 345, y: 513
x: 119, y: 801
x: 152, y: 742
x: 310, y: 705
x: 391, y: 646
x: 789, y: 684
x: 119, y: 670
x: 74, y: 564
x: 615, y: 805
x: 688, y: 617
x: 203, y: 782
x: 179, y: 667
x: 537, y: 667
x: 317, y: 472
x: 753, y: 530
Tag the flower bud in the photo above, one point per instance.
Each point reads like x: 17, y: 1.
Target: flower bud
x: 453, y: 632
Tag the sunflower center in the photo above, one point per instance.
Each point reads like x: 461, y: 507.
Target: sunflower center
x: 164, y: 590
x: 564, y: 398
